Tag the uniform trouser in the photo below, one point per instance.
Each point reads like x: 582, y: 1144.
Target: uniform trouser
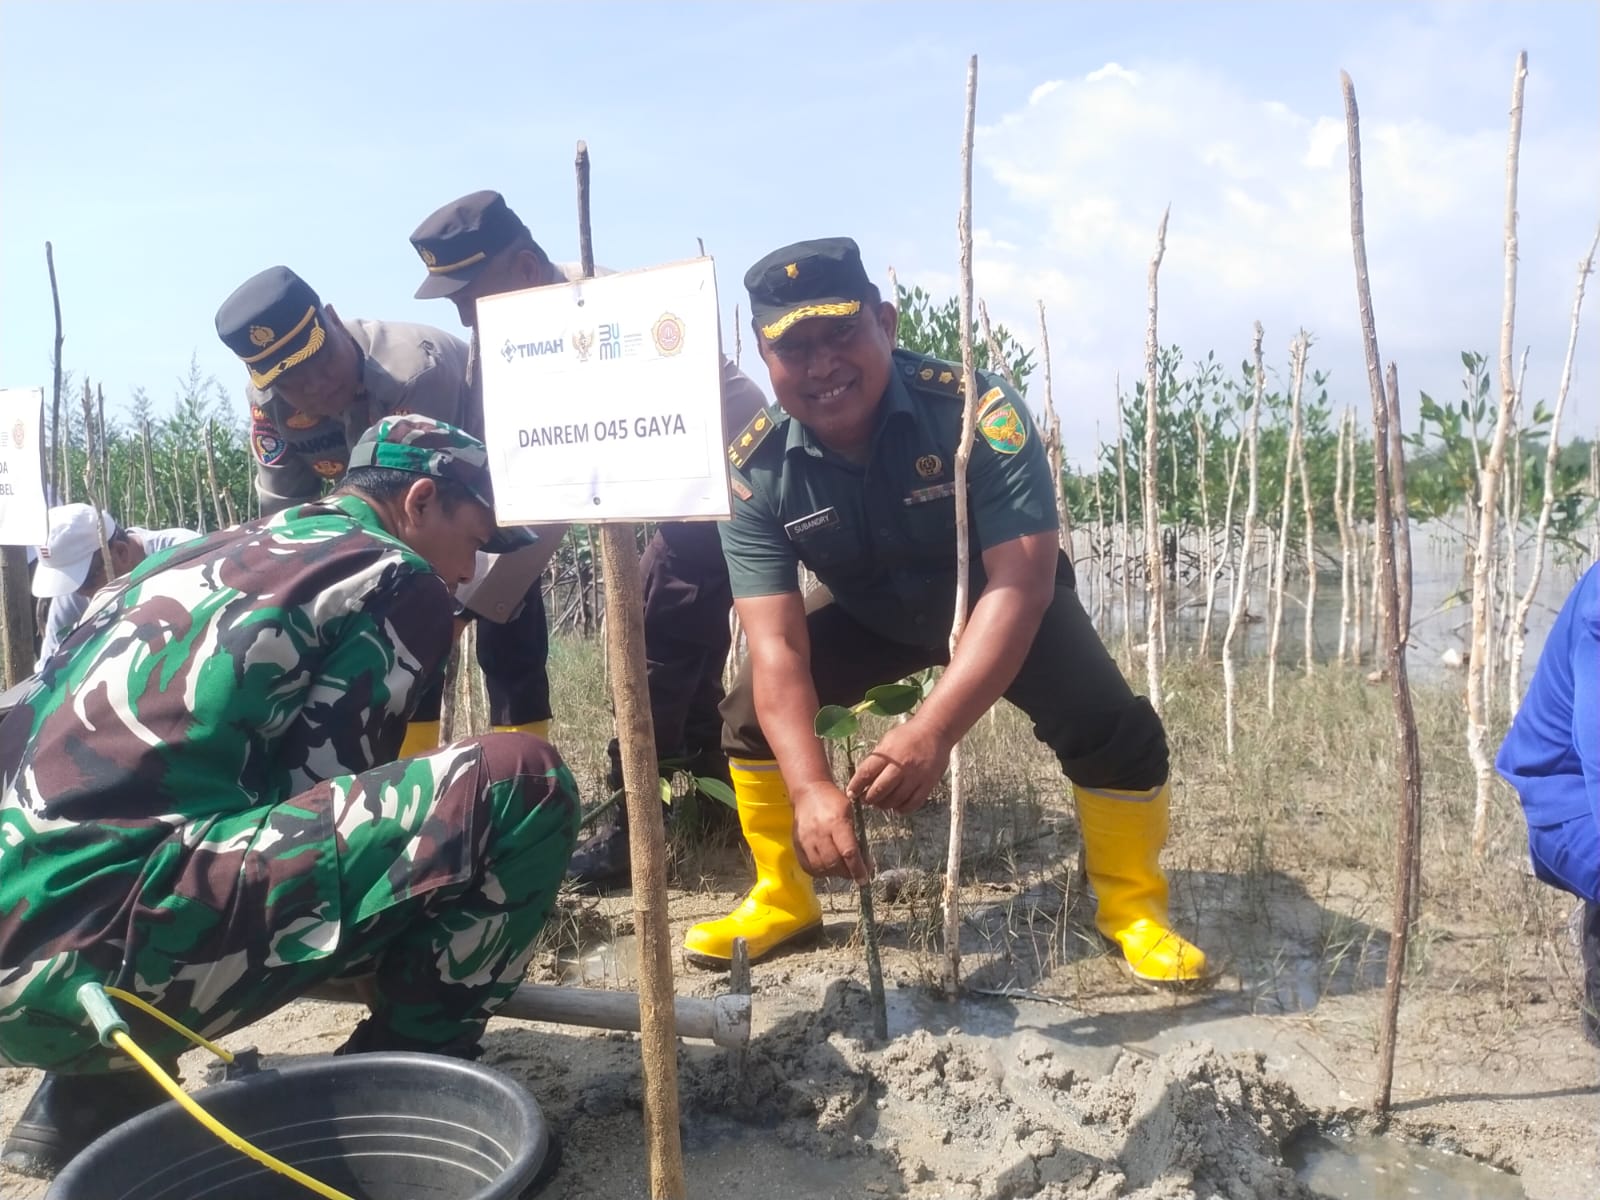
x: 1069, y: 687
x: 446, y: 866
x: 687, y: 599
x: 514, y: 657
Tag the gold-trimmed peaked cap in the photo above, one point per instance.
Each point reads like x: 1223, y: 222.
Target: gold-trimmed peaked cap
x: 456, y: 241
x: 273, y: 321
x: 819, y: 278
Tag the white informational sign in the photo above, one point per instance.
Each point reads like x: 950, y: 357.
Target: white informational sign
x: 24, y: 515
x: 602, y: 399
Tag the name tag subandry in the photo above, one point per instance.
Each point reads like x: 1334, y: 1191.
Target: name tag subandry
x: 826, y: 518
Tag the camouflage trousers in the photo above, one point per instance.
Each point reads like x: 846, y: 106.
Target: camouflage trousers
x: 445, y: 867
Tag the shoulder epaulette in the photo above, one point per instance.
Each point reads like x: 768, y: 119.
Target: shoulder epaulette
x: 931, y: 375
x: 752, y: 435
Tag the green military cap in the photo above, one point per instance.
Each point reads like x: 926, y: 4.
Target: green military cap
x: 819, y: 278
x: 273, y: 321
x: 456, y: 241
x: 424, y: 446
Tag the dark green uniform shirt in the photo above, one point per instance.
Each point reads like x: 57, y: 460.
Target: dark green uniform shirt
x: 882, y: 537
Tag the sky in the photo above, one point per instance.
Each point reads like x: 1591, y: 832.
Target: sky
x: 170, y: 151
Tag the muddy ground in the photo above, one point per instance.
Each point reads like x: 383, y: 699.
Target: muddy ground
x: 1078, y: 1083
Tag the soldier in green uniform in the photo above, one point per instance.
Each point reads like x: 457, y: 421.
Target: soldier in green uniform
x: 317, y: 382
x: 193, y: 810
x: 857, y: 482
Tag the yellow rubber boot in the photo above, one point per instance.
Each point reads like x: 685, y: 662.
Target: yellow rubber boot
x: 421, y: 736
x: 539, y: 729
x: 1123, y: 833
x: 783, y: 903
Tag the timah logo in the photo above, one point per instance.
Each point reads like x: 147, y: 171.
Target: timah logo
x: 515, y: 350
x: 19, y: 433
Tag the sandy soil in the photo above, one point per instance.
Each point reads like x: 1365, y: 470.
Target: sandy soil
x: 1080, y: 1083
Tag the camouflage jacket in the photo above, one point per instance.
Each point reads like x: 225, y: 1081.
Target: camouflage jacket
x: 404, y: 369
x: 225, y: 674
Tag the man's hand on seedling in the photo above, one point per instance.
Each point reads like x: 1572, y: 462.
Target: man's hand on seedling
x: 824, y: 835
x: 901, y: 771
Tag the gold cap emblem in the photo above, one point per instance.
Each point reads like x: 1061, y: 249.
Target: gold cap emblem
x: 427, y: 256
x: 260, y: 335
x: 792, y: 270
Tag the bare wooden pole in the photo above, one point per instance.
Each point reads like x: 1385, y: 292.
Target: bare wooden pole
x: 969, y: 402
x: 1402, y: 511
x: 1241, y: 589
x: 211, y: 480
x: 1309, y: 512
x: 93, y: 486
x: 1488, y: 493
x: 1280, y: 561
x: 149, y: 474
x: 1341, y: 519
x: 1102, y: 558
x: 1221, y: 562
x: 56, y: 467
x: 1052, y: 437
x: 1202, y: 441
x: 1400, y: 686
x: 647, y: 845
x: 1124, y: 527
x: 1552, y: 453
x: 1155, y: 578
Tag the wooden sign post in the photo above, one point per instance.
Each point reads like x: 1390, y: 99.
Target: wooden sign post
x: 602, y: 405
x: 24, y: 521
x: 647, y: 834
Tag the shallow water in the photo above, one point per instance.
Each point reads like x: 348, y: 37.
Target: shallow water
x: 1375, y: 1168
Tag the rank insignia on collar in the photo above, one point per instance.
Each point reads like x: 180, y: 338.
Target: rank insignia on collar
x: 751, y: 436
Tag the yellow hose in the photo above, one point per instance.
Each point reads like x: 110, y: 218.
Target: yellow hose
x: 168, y: 1084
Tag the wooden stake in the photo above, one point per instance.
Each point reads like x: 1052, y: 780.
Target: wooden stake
x: 56, y: 467
x: 1280, y: 561
x: 1052, y: 438
x: 1155, y: 579
x: 1344, y: 539
x: 1241, y: 588
x: 1124, y: 524
x: 969, y: 382
x: 1488, y: 494
x: 1311, y: 517
x: 16, y: 616
x: 1552, y: 453
x: 1100, y: 549
x: 1400, y: 686
x: 648, y: 852
x: 211, y: 479
x: 1222, y: 561
x: 92, y: 485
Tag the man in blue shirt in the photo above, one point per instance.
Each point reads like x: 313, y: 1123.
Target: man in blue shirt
x: 1552, y: 757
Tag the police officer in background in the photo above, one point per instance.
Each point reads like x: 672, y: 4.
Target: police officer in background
x: 317, y: 382
x: 475, y: 247
x: 857, y: 482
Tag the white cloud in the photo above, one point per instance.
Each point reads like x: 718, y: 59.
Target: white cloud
x: 1260, y: 229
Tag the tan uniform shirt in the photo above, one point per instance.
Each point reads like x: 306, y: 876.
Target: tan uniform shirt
x: 405, y: 369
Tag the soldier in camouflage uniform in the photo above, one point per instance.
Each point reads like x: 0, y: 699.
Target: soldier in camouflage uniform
x: 191, y: 810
